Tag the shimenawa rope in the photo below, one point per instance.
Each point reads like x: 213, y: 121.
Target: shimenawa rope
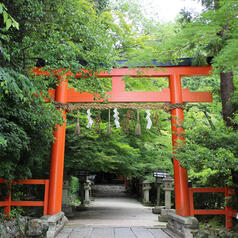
x: 106, y: 106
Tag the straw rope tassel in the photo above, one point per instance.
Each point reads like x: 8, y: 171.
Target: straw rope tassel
x: 109, y: 132
x: 138, y: 127
x: 77, y: 129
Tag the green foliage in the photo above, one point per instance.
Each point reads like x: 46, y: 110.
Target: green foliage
x: 15, y: 213
x: 8, y: 22
x: 74, y: 185
x: 211, y: 148
x: 145, y: 84
x: 72, y: 35
x: 68, y: 34
x: 212, y: 33
x: 25, y: 119
x: 100, y: 4
x: 210, y: 153
x: 120, y: 153
x: 7, y: 19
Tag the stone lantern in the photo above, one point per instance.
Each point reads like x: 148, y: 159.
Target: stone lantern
x: 168, y: 188
x: 146, y: 186
x: 159, y: 175
x: 91, y: 179
x: 87, y: 189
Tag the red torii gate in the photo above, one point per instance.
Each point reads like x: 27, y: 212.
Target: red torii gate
x: 173, y: 94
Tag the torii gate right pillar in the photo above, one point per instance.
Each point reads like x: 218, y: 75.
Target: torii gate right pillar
x: 180, y: 174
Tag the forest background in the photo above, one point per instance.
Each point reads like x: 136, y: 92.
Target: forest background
x: 75, y: 34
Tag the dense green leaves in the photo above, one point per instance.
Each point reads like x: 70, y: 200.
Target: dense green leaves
x: 8, y: 21
x: 120, y: 153
x: 25, y: 121
x: 71, y: 34
x: 210, y: 153
x: 211, y: 149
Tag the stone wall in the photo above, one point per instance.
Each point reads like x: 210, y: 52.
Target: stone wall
x: 15, y: 228
x: 26, y: 227
x: 188, y: 227
x: 214, y: 233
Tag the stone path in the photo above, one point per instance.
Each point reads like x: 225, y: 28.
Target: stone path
x: 116, y: 212
x: 114, y: 215
x: 111, y: 232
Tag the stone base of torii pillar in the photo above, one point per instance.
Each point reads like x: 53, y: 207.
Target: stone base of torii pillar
x: 183, y: 227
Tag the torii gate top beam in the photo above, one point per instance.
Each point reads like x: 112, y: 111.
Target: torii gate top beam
x: 183, y: 71
x: 118, y: 93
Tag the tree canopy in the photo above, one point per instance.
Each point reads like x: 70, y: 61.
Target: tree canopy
x: 90, y: 35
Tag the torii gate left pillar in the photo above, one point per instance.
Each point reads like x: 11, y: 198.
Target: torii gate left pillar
x: 57, y: 155
x: 175, y: 94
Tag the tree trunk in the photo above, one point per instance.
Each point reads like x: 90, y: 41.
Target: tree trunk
x: 227, y: 88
